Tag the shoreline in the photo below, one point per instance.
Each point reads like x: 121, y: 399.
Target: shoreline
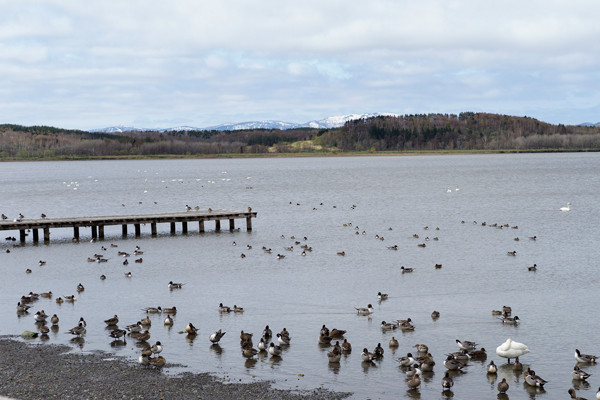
x: 35, y: 371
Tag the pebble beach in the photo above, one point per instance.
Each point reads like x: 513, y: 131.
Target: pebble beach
x: 46, y: 371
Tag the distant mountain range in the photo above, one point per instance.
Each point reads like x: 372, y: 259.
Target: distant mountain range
x: 590, y: 124
x: 326, y: 123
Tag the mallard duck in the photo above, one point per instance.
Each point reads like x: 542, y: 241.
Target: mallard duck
x: 503, y: 386
x: 584, y: 358
x: 365, y: 311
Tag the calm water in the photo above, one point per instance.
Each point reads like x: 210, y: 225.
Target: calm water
x: 315, y: 197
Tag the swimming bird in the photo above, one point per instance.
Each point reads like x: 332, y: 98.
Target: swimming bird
x: 137, y: 327
x: 322, y: 339
x: 421, y: 348
x: 175, y: 285
x: 584, y: 358
x: 574, y: 396
x: 479, y: 355
x: 246, y: 337
x: 153, y: 310
x: 567, y: 208
x: 598, y: 394
x: 334, y: 356
x: 466, y: 345
x: 337, y: 333
x: 170, y: 310
x: 435, y: 314
x: 248, y: 351
x: 382, y: 296
x: 453, y: 364
x: 447, y: 381
x: 579, y: 374
x: 405, y: 270
x: 128, y: 274
x: 511, y: 253
x: 262, y: 345
x: 40, y: 316
x: 238, y: 309
x: 80, y: 288
x: 532, y: 268
x: 112, y: 321
x: 394, y: 342
x: 223, y: 308
x: 215, y: 337
x: 406, y: 360
x: 54, y: 319
x: 534, y: 380
x: 414, y: 382
x: 267, y: 333
x: 70, y: 299
x: 503, y: 386
x: 388, y: 326
x: 378, y: 352
x: 365, y: 311
x: 191, y: 329
x: 118, y: 333
x: 510, y: 320
x: 366, y: 355
x: 168, y: 320
x: 22, y: 307
x: 491, y: 368
x: 275, y: 351
x: 511, y: 349
x: 346, y: 346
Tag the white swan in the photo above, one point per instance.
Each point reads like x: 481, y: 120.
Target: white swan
x: 567, y: 208
x: 510, y: 349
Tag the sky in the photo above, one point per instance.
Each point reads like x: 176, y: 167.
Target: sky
x: 158, y: 64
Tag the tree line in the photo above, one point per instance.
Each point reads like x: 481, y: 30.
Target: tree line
x: 420, y: 132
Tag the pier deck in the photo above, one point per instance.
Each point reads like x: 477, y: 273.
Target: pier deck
x: 97, y: 224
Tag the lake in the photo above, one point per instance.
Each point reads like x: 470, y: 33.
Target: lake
x: 360, y: 206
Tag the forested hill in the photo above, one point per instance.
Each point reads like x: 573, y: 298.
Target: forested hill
x: 424, y: 132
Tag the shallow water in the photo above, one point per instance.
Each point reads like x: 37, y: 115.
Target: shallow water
x: 315, y: 197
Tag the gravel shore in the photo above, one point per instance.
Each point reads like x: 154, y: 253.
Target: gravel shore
x: 30, y: 371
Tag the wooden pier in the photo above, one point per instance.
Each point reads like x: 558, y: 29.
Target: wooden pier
x: 97, y: 224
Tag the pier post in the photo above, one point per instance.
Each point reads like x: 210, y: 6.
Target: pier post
x: 76, y: 232
x: 184, y: 227
x: 201, y: 225
x: 101, y: 231
x: 153, y: 228
x: 22, y: 235
x: 249, y: 224
x: 217, y: 225
x: 36, y: 237
x: 172, y: 228
x: 231, y: 224
x: 46, y: 235
x: 94, y: 232
x: 137, y: 230
x: 124, y: 230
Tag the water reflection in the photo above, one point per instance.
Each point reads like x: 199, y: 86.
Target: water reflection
x: 447, y: 393
x: 78, y: 341
x: 413, y: 393
x: 215, y: 348
x: 250, y: 363
x: 502, y: 396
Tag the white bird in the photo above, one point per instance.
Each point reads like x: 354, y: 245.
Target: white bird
x: 567, y: 208
x: 365, y: 311
x: 511, y: 349
x: 491, y: 368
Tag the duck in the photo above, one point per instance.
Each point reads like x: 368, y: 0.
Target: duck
x: 421, y: 348
x: 382, y: 296
x: 156, y: 348
x: 245, y: 337
x: 102, y: 277
x: 571, y: 391
x: 40, y: 316
x: 78, y: 331
x: 23, y: 308
x: 579, y: 374
x: 407, y: 326
x: 215, y: 337
x: 238, y: 309
x: 112, y: 321
x: 322, y: 339
x: 191, y: 329
x: 141, y: 336
x: 394, y: 342
x: 118, y: 333
x: 275, y: 351
x: 435, y: 314
x: 479, y: 355
x: 137, y: 327
x: 54, y: 319
x: 453, y: 364
x: 80, y: 288
x: 598, y: 394
x: 378, y: 352
x: 262, y: 344
x: 388, y: 326
x: 511, y: 320
x: 506, y: 310
x: 511, y: 349
x: 346, y: 346
x: 447, y: 381
x: 153, y: 310
x: 267, y: 333
x: 144, y: 360
x: 406, y: 270
x: 337, y: 333
x: 128, y: 274
x: 334, y: 356
x: 46, y: 295
x: 284, y: 340
x: 168, y: 320
x: 414, y: 382
x: 462, y: 355
x: 248, y: 351
x: 567, y: 208
x: 365, y: 311
x: 532, y: 268
x: 584, y: 358
x: 224, y: 309
x: 511, y: 253
x: 157, y: 362
x: 534, y: 380
x: 170, y: 310
x: 146, y: 321
x: 70, y: 299
x: 491, y: 368
x: 503, y: 386
x: 366, y: 355
x: 175, y: 285
x: 406, y: 360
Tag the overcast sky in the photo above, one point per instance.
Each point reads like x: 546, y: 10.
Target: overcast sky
x: 90, y: 64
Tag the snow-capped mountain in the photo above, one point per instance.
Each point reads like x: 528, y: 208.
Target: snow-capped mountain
x: 326, y: 123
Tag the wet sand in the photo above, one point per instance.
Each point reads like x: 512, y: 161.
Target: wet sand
x: 46, y: 371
